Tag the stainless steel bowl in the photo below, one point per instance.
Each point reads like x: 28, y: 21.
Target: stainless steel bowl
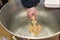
x: 14, y: 20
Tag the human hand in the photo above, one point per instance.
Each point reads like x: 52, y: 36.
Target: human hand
x: 31, y: 12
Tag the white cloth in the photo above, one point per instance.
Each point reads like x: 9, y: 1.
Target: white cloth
x: 52, y: 3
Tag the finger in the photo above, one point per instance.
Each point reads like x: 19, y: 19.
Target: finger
x: 31, y: 12
x: 31, y: 15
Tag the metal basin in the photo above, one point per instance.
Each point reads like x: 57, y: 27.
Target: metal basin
x: 14, y: 19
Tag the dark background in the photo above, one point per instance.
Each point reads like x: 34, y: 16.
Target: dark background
x: 3, y: 2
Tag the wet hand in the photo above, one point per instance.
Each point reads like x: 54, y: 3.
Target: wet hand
x: 31, y: 12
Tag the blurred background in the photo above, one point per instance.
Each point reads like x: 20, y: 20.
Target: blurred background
x: 3, y: 2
